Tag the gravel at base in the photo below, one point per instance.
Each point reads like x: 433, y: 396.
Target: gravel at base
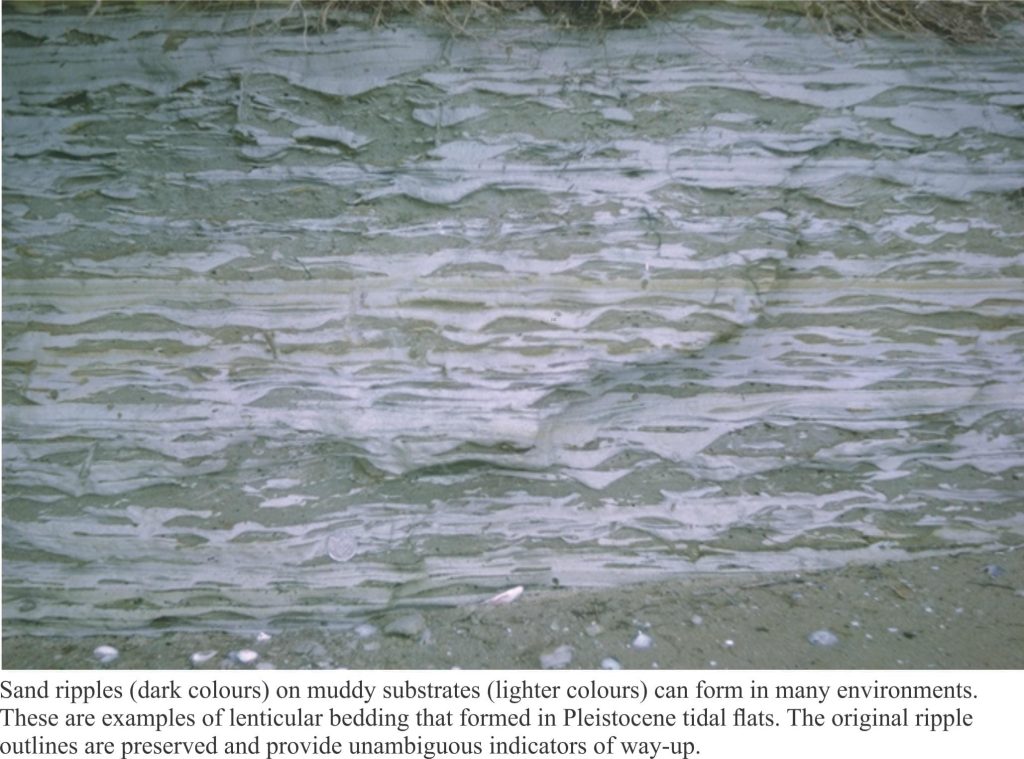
x: 945, y: 613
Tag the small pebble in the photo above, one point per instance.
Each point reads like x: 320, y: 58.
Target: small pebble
x: 557, y: 659
x: 728, y: 643
x: 105, y: 654
x: 310, y: 650
x: 201, y: 657
x: 409, y: 626
x: 642, y: 640
x: 822, y: 638
x: 365, y: 630
x: 245, y: 656
x: 697, y: 620
x: 994, y: 570
x: 593, y: 629
x: 610, y: 663
x: 262, y: 637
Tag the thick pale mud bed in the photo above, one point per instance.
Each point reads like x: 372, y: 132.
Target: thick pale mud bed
x: 331, y: 332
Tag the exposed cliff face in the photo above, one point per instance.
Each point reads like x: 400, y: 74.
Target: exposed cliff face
x: 397, y: 313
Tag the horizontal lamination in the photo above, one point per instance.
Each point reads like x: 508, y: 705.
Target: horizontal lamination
x: 298, y: 325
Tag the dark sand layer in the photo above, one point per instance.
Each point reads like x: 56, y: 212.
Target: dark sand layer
x: 963, y: 611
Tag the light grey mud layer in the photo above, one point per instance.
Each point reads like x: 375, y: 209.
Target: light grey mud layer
x: 305, y: 328
x: 950, y: 612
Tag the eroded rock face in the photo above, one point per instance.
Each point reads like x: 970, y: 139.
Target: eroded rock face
x: 391, y: 313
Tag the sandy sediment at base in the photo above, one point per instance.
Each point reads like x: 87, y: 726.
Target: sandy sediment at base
x: 950, y: 612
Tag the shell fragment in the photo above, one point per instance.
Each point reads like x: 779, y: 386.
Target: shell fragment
x: 506, y: 596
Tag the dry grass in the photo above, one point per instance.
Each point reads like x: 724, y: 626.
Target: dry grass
x: 958, y: 21
x: 458, y: 13
x: 964, y: 21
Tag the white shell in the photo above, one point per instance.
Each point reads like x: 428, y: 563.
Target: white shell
x: 642, y: 640
x: 105, y: 654
x: 201, y: 657
x: 822, y: 638
x: 506, y: 596
x: 245, y: 656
